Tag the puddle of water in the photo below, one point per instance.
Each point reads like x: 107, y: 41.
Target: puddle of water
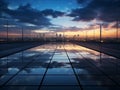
x: 87, y: 64
x: 60, y: 80
x: 60, y: 71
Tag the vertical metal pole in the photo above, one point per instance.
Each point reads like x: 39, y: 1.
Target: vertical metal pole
x: 100, y: 32
x: 100, y: 43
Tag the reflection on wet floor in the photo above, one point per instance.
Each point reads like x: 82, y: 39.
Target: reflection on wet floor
x: 58, y: 67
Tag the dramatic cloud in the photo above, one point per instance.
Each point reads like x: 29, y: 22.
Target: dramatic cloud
x: 84, y: 14
x: 26, y: 14
x: 105, y: 10
x: 50, y: 12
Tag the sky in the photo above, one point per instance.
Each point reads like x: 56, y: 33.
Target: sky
x: 60, y: 15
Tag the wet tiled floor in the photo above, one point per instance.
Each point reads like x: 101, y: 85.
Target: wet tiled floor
x: 61, y: 66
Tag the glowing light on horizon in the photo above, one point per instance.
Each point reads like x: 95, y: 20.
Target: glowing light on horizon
x: 42, y: 31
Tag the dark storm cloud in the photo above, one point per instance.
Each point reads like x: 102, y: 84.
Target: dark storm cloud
x: 106, y: 10
x: 52, y: 13
x: 27, y: 14
x: 85, y: 14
